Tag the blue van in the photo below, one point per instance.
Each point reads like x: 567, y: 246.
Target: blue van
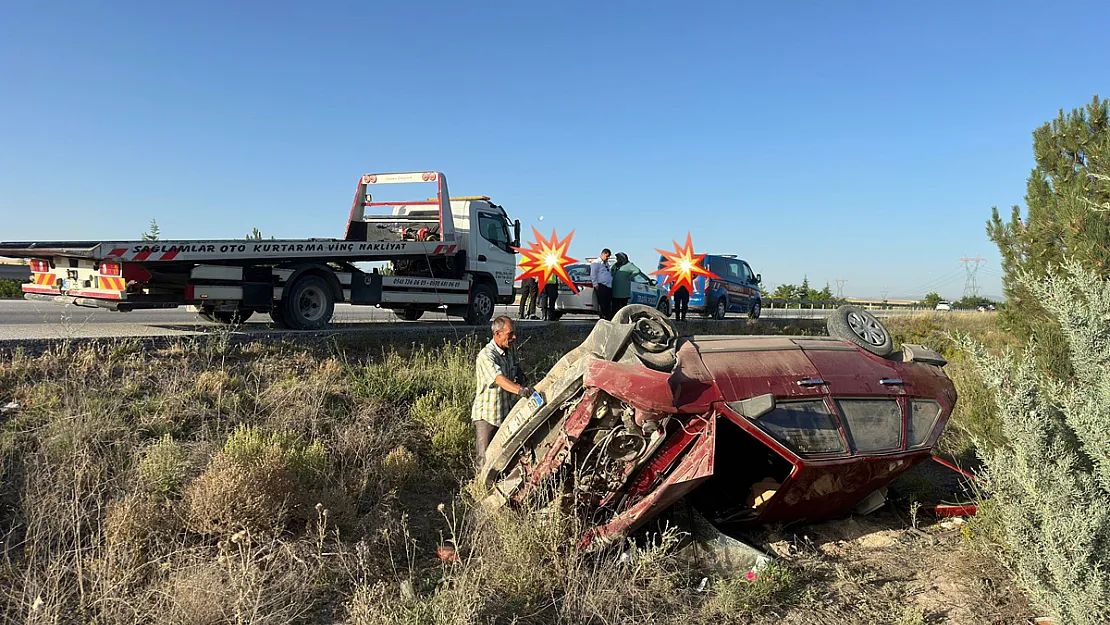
x: 736, y: 291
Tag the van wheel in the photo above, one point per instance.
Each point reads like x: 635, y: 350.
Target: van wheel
x: 720, y: 308
x: 757, y: 308
x: 309, y: 304
x: 860, y: 327
x: 480, y: 310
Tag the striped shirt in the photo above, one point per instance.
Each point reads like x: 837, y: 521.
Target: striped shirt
x: 492, y: 403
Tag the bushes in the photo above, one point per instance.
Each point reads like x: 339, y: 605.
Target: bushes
x: 1051, y: 483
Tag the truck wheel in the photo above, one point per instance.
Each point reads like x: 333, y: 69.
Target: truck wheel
x: 309, y: 305
x: 757, y: 308
x: 720, y: 308
x: 409, y: 314
x: 860, y: 327
x: 480, y: 310
x: 231, y: 317
x: 278, y: 317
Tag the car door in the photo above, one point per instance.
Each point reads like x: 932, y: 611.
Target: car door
x: 583, y: 300
x: 643, y: 291
x: 738, y: 298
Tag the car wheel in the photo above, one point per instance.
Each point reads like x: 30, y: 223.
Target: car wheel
x: 861, y: 328
x: 309, y: 305
x: 480, y: 310
x: 409, y: 314
x: 720, y: 308
x: 664, y: 306
x: 757, y: 308
x: 653, y: 335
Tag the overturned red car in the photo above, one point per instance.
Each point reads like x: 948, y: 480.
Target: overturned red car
x: 750, y: 429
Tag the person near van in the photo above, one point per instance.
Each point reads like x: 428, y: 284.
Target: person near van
x: 499, y: 383
x: 681, y: 302
x: 601, y: 279
x: 623, y: 272
x: 529, y: 293
x: 550, y: 296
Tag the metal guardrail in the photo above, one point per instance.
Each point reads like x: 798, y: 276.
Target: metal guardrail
x: 806, y: 304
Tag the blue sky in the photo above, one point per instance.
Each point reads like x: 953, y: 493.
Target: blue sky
x: 865, y: 140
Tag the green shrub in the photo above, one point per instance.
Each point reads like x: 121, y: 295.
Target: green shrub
x: 1051, y: 483
x: 11, y: 289
x: 164, y: 466
x: 249, y: 446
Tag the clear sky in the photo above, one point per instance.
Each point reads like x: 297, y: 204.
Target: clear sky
x: 862, y: 140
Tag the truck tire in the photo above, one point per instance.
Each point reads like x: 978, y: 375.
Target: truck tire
x: 309, y: 304
x: 277, y: 317
x: 231, y: 317
x: 860, y: 327
x: 409, y: 314
x: 480, y: 310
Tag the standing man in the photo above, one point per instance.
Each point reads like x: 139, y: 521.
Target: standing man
x: 623, y: 272
x: 681, y: 303
x: 550, y: 296
x: 529, y: 293
x: 602, y: 281
x: 499, y: 383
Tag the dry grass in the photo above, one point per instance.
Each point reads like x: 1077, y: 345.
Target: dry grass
x: 208, y: 482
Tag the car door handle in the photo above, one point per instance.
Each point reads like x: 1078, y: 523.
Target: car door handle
x: 811, y: 382
x: 890, y: 382
x: 481, y: 258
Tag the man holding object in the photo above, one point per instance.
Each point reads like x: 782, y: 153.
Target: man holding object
x: 499, y: 384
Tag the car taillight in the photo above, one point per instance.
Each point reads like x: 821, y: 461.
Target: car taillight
x: 114, y: 270
x: 40, y: 266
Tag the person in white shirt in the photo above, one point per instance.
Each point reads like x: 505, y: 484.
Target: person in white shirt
x: 602, y: 281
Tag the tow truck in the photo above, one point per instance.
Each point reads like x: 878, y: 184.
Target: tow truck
x: 450, y: 254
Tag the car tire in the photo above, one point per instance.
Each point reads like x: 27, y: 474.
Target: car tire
x: 309, y: 305
x: 757, y: 308
x: 653, y: 336
x: 861, y: 328
x: 664, y: 306
x: 409, y: 314
x: 480, y: 309
x: 720, y: 307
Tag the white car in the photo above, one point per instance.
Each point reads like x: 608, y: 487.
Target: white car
x: 644, y: 291
x: 944, y: 306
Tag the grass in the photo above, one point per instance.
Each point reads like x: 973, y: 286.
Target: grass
x: 207, y: 481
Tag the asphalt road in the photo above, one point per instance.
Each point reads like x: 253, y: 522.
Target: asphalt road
x: 22, y: 320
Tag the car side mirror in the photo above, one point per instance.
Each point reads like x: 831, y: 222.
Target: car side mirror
x: 516, y: 234
x: 759, y: 278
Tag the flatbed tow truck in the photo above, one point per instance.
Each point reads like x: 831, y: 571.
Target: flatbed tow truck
x: 450, y: 254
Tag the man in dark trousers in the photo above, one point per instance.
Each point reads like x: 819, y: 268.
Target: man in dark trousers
x: 550, y: 295
x: 602, y: 281
x: 529, y: 293
x: 681, y: 303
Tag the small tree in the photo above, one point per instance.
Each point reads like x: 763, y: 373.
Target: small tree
x: 255, y: 235
x: 931, y: 300
x: 1050, y: 485
x: 153, y: 232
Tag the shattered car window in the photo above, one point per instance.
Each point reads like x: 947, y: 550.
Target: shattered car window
x: 923, y: 418
x: 873, y: 424
x: 806, y: 426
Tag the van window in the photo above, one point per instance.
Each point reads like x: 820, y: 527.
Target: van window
x: 494, y: 230
x: 747, y: 272
x: 734, y: 270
